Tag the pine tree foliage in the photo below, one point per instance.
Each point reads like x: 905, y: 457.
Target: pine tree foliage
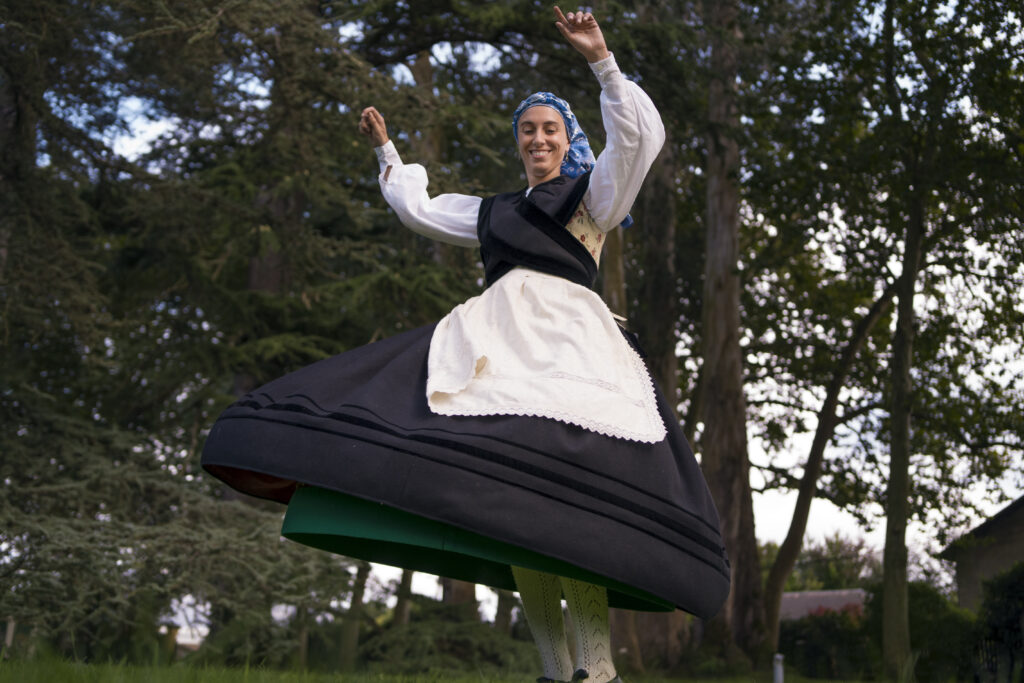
x: 128, y: 313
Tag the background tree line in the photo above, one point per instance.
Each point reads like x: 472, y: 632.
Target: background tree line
x: 829, y: 245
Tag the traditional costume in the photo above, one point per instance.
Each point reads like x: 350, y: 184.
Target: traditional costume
x: 521, y: 430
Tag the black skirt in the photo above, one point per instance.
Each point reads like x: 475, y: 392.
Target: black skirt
x: 466, y: 496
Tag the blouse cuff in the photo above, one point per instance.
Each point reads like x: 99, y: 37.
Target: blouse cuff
x: 387, y: 155
x: 605, y: 69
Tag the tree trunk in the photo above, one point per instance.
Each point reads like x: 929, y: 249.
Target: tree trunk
x: 657, y: 300
x: 677, y: 638
x: 723, y: 406
x: 431, y: 142
x: 349, y: 641
x: 613, y: 273
x: 18, y: 122
x: 268, y: 272
x: 660, y: 638
x: 430, y: 147
x: 626, y: 639
x: 17, y: 152
x: 268, y: 268
x: 8, y: 119
x: 303, y: 654
x: 895, y: 607
x: 655, y: 320
x: 462, y: 593
x: 403, y: 606
x: 895, y: 615
x: 791, y: 546
x: 503, y: 614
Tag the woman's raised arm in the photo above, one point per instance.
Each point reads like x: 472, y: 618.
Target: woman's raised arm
x: 447, y: 218
x: 633, y: 128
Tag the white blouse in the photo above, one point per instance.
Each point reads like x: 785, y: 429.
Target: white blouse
x: 634, y: 133
x: 535, y: 344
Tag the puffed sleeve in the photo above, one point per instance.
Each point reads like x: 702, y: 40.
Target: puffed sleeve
x: 447, y: 218
x: 635, y: 134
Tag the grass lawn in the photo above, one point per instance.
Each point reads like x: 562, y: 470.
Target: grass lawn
x: 70, y: 672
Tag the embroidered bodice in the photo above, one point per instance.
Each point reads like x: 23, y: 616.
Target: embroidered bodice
x: 584, y: 228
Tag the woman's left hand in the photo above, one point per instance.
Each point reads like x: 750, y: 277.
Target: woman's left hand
x: 583, y: 33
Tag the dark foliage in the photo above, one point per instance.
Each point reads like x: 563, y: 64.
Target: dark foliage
x: 827, y: 645
x: 942, y: 635
x: 439, y: 638
x: 1000, y: 623
x: 848, y: 645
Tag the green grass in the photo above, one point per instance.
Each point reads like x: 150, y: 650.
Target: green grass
x: 72, y: 672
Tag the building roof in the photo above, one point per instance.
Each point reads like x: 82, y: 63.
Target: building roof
x: 982, y: 530
x: 799, y: 604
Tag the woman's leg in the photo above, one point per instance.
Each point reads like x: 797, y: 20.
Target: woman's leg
x: 588, y: 606
x: 542, y: 601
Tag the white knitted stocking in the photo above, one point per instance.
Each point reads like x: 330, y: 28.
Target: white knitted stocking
x: 588, y: 606
x: 542, y: 601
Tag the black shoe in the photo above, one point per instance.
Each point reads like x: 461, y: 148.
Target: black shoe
x: 582, y: 673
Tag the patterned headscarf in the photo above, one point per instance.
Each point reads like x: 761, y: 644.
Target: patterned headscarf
x: 580, y: 158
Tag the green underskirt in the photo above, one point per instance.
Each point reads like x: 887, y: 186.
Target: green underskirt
x: 359, y: 528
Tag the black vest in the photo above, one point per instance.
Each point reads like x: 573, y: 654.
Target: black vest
x: 516, y: 229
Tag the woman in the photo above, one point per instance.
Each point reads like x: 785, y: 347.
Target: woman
x: 520, y: 442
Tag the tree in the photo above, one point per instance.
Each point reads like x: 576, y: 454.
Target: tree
x: 723, y: 406
x: 403, y: 595
x: 114, y: 317
x: 353, y: 618
x: 833, y: 563
x: 873, y: 154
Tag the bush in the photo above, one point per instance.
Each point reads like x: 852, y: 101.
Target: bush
x: 942, y: 635
x: 847, y: 646
x: 717, y: 656
x: 828, y: 644
x: 247, y: 642
x: 1000, y: 617
x: 439, y: 640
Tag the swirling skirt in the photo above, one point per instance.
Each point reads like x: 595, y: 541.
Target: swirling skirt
x: 369, y: 471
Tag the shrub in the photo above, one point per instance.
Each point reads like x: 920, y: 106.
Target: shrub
x: 1000, y: 617
x: 942, y: 635
x: 827, y: 644
x: 439, y: 639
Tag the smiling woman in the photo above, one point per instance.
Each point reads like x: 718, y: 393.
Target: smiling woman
x: 552, y: 144
x: 520, y: 441
x: 543, y: 143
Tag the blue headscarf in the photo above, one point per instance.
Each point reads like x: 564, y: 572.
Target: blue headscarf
x: 580, y: 158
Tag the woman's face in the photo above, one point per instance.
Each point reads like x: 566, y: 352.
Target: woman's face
x: 543, y: 143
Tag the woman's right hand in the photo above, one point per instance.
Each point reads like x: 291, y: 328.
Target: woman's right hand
x: 371, y: 124
x: 583, y: 33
